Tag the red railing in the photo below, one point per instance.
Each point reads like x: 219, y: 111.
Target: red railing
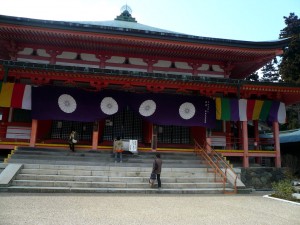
x: 219, y: 166
x: 234, y: 143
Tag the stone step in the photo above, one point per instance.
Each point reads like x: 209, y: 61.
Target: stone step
x: 109, y: 184
x: 112, y: 173
x: 150, y: 155
x: 102, y: 163
x: 104, y: 154
x: 59, y: 170
x: 2, y: 167
x: 114, y: 167
x: 116, y: 190
x: 111, y: 177
x: 110, y: 158
x: 120, y: 168
x: 141, y: 179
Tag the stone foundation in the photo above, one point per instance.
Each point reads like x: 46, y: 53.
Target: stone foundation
x: 261, y: 178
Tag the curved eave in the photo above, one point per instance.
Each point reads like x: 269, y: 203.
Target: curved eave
x: 289, y: 93
x: 62, y: 25
x: 26, y: 36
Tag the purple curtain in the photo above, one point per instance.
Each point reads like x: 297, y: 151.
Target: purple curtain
x: 62, y: 103
x: 167, y: 109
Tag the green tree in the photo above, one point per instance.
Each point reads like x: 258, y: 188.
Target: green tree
x: 253, y: 77
x: 270, y: 72
x: 290, y: 63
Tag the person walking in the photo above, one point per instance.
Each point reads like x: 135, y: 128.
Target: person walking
x: 72, y: 140
x: 156, y: 168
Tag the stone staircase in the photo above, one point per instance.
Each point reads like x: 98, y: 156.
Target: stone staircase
x: 59, y: 170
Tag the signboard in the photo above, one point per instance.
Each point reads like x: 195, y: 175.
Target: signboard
x: 133, y: 146
x: 130, y: 145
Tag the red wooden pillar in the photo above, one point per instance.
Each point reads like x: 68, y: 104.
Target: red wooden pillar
x: 147, y: 132
x: 256, y: 134
x: 95, y: 136
x: 240, y: 135
x: 277, y: 144
x: 208, y: 145
x: 199, y: 135
x: 228, y: 135
x: 256, y: 140
x: 34, y: 126
x: 154, y: 137
x: 101, y: 125
x: 3, y: 122
x: 245, y: 144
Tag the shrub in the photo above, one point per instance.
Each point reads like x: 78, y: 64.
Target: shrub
x: 283, y: 189
x: 292, y: 163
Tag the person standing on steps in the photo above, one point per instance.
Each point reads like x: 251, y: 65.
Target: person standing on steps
x: 118, y: 149
x: 73, y: 140
x: 156, y: 168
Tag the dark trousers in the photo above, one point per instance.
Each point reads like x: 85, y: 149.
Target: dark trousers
x: 158, y: 180
x: 72, y: 146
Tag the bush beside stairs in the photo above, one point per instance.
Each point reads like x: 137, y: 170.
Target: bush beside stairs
x: 59, y: 170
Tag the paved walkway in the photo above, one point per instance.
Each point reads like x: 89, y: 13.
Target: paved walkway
x: 113, y: 209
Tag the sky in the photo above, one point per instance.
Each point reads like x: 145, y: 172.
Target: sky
x: 248, y: 20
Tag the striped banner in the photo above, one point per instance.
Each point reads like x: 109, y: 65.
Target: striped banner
x: 282, y: 113
x: 6, y: 94
x: 227, y: 109
x: 15, y: 95
x: 243, y: 110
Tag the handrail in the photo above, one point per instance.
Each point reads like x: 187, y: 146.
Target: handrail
x: 223, y: 164
x: 233, y: 143
x: 215, y: 163
x: 217, y: 171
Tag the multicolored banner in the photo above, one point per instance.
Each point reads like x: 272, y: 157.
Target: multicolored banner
x: 15, y: 95
x: 243, y: 110
x: 63, y: 103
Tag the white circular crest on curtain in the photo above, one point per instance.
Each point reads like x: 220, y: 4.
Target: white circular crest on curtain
x: 187, y: 110
x: 67, y: 103
x: 109, y: 106
x: 147, y: 108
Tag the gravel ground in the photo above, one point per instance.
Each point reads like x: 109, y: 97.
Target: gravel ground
x: 113, y: 209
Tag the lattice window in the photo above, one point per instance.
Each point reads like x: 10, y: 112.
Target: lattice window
x: 61, y: 130
x: 128, y: 124
x: 66, y: 129
x: 124, y: 124
x: 176, y: 137
x: 108, y: 129
x: 185, y: 135
x: 137, y: 133
x: 118, y: 125
x: 173, y: 135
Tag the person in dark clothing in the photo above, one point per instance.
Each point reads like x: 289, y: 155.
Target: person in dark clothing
x: 157, y: 165
x: 72, y: 140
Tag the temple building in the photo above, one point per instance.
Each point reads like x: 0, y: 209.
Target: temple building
x: 165, y: 89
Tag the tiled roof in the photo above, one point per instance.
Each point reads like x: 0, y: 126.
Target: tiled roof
x: 125, y: 25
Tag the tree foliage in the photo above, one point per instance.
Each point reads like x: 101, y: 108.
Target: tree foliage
x: 270, y: 72
x: 283, y: 189
x: 292, y: 115
x: 253, y: 77
x: 290, y: 64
